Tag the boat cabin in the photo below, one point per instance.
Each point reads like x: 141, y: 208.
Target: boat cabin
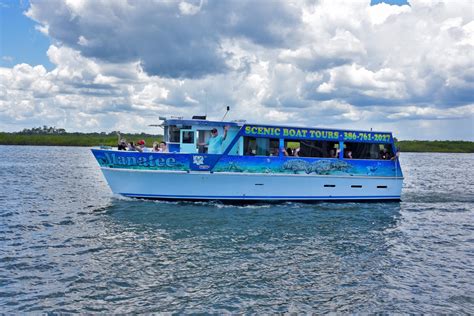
x: 188, y: 135
x: 185, y: 136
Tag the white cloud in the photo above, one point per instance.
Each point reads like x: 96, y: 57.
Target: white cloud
x: 189, y: 9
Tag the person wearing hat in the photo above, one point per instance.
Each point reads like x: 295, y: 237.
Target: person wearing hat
x: 214, y: 143
x: 141, y: 146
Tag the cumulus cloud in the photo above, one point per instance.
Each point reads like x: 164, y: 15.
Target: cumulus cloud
x: 326, y: 63
x: 169, y: 38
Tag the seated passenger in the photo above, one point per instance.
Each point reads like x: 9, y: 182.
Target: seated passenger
x: 384, y: 154
x: 288, y: 151
x: 296, y: 152
x: 156, y: 147
x: 275, y: 152
x: 333, y: 153
x: 122, y: 142
x: 163, y: 147
x: 122, y: 145
x: 131, y: 147
x: 250, y: 152
x: 348, y: 154
x: 141, y: 146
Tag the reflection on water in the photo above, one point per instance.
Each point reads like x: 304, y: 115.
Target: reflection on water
x: 67, y: 245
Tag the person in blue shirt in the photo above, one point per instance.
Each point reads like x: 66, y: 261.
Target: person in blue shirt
x: 214, y: 143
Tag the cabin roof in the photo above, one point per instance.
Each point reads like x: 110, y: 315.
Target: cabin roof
x: 200, y: 122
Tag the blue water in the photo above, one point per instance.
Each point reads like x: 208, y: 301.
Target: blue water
x: 67, y: 245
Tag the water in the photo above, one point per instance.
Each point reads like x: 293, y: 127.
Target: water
x: 67, y: 245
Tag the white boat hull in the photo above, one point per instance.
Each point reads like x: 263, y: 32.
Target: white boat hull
x: 181, y: 185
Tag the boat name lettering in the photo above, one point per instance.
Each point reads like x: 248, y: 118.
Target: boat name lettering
x: 150, y: 161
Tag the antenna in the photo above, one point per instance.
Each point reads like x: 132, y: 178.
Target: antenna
x: 228, y: 109
x: 205, y: 94
x: 156, y: 125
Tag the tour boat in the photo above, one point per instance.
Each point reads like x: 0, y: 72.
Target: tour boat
x: 258, y: 163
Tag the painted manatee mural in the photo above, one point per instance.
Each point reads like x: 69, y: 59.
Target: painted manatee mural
x: 252, y: 164
x: 246, y: 164
x: 322, y: 167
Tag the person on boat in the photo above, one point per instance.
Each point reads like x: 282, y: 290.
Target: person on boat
x: 333, y: 153
x: 296, y: 152
x: 384, y: 154
x: 121, y: 143
x: 156, y: 147
x: 131, y: 147
x: 163, y: 147
x: 348, y: 154
x: 141, y: 146
x: 214, y: 143
x: 250, y: 152
x: 275, y: 151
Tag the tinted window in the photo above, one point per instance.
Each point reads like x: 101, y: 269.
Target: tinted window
x: 174, y: 132
x: 367, y: 151
x: 311, y: 148
x: 255, y: 146
x: 188, y: 137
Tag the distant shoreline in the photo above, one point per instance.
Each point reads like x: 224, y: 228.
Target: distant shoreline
x: 73, y: 139
x: 103, y: 139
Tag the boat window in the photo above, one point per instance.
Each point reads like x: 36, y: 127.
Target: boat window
x: 292, y: 147
x: 257, y: 146
x: 174, y: 132
x: 188, y: 137
x: 311, y: 148
x: 367, y: 151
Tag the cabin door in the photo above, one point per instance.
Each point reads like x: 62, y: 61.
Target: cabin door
x: 187, y: 139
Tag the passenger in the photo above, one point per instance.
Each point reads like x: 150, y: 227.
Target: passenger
x: 296, y: 152
x: 348, y: 154
x: 275, y: 152
x: 397, y: 154
x: 122, y: 145
x: 131, y: 147
x: 333, y: 153
x: 163, y: 147
x: 214, y: 143
x: 250, y: 152
x: 384, y: 154
x: 288, y: 152
x: 122, y: 142
x: 141, y: 146
x: 156, y: 147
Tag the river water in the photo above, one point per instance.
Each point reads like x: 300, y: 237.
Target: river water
x: 68, y: 245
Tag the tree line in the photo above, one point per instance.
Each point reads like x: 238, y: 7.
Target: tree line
x: 52, y: 136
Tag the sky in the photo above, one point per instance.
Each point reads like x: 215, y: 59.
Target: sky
x: 99, y: 65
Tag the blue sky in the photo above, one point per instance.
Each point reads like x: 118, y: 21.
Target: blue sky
x: 101, y: 66
x: 20, y: 41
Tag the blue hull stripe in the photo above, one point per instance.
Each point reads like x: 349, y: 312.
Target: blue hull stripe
x: 261, y: 197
